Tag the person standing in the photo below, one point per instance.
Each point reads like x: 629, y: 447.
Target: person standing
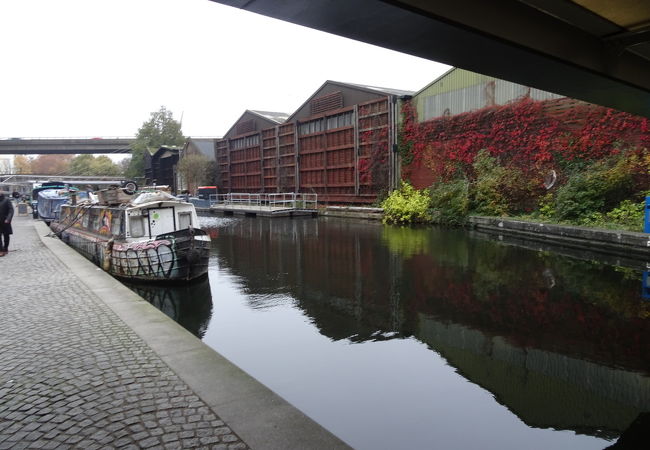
x: 6, y: 214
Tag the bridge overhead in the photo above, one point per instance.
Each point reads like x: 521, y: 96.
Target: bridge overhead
x: 593, y: 50
x: 65, y: 146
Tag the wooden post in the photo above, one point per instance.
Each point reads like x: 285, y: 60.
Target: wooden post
x: 277, y: 158
x: 229, y: 166
x: 355, y: 121
x: 296, y: 178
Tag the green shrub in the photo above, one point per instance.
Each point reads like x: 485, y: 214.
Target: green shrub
x: 546, y: 206
x: 628, y: 215
x: 407, y: 205
x: 501, y: 190
x: 487, y: 196
x: 450, y: 202
x: 601, y: 187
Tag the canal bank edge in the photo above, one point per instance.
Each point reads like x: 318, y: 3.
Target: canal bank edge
x: 259, y: 416
x: 352, y: 212
x: 623, y: 243
x: 627, y: 244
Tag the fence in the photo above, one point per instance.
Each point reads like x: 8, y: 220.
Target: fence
x: 285, y: 200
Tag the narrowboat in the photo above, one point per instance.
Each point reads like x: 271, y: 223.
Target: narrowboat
x: 47, y: 199
x: 150, y: 236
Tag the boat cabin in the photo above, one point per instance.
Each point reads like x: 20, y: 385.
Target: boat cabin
x: 130, y: 223
x: 159, y: 218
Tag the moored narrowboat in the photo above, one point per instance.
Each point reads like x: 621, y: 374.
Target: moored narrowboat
x: 48, y: 201
x: 150, y: 236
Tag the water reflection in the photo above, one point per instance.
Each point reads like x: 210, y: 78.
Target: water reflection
x: 561, y: 342
x: 189, y: 305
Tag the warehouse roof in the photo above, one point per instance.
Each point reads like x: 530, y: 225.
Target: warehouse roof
x: 278, y: 117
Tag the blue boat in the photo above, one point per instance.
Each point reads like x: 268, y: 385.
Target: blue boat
x: 49, y: 203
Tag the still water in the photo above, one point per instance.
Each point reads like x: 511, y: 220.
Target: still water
x: 396, y: 338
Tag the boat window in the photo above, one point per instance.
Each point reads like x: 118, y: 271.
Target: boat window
x: 137, y: 226
x: 184, y: 220
x: 92, y: 215
x: 86, y: 219
x: 116, y: 223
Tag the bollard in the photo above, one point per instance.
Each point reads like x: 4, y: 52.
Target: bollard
x: 646, y: 227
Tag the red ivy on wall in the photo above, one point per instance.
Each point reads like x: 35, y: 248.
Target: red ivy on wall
x: 373, y: 160
x: 528, y: 134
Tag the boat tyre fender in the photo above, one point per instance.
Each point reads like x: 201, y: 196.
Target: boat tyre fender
x: 108, y: 251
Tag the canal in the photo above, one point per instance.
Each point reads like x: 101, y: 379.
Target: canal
x: 397, y: 338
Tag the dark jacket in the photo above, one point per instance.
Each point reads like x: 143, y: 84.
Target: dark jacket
x: 6, y: 210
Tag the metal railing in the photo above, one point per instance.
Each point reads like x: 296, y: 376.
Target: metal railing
x: 285, y: 200
x: 293, y: 200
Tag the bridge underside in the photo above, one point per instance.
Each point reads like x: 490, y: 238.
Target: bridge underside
x: 64, y: 146
x: 593, y: 50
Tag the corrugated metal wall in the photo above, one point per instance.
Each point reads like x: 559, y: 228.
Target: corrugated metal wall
x: 342, y: 155
x: 462, y: 91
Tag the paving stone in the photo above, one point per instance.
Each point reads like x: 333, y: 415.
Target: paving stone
x: 96, y: 379
x: 190, y: 443
x: 140, y: 436
x: 124, y: 441
x: 209, y: 440
x: 150, y: 442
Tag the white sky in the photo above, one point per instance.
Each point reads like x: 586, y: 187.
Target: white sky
x: 73, y: 68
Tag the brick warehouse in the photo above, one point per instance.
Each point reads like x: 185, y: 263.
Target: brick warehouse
x: 339, y: 144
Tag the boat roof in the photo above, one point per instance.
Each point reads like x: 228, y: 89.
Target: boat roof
x: 54, y: 193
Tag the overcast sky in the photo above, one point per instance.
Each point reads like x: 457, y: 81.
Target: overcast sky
x: 99, y: 68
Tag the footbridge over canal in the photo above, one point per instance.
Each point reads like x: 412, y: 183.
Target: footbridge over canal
x: 62, y: 146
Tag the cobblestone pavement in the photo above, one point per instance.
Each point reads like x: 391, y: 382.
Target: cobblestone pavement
x: 73, y: 375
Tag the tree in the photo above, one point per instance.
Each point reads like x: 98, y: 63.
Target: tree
x: 91, y: 165
x: 161, y: 129
x: 193, y: 168
x: 51, y: 164
x: 124, y: 165
x: 103, y: 165
x: 82, y: 165
x: 22, y: 164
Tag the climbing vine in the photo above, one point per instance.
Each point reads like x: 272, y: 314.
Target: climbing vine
x: 595, y: 157
x: 373, y: 161
x: 529, y: 135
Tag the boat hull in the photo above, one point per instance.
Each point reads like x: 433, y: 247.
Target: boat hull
x: 175, y: 257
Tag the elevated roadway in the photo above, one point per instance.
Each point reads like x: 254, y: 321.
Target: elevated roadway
x: 59, y: 146
x: 15, y: 179
x: 593, y: 50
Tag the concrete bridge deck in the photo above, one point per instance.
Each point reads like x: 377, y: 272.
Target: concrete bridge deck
x: 86, y: 363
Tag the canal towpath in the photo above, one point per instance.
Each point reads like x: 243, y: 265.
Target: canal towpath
x: 87, y: 363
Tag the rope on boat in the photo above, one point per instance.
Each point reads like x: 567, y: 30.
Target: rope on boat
x: 80, y: 210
